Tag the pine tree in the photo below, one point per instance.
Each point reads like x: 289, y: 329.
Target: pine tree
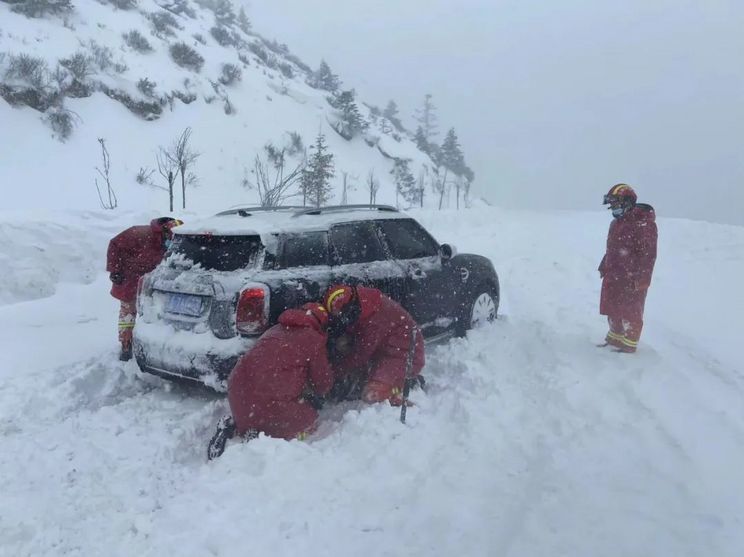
x: 427, y: 118
x: 421, y: 142
x: 224, y: 12
x: 351, y: 121
x: 405, y: 183
x: 243, y: 22
x: 325, y: 79
x: 391, y: 113
x: 316, y: 178
x: 450, y: 158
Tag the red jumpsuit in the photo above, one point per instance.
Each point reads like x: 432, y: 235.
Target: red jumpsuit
x: 380, y: 341
x: 131, y: 254
x: 266, y: 386
x: 626, y: 271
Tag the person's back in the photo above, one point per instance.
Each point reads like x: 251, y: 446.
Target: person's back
x: 278, y: 365
x: 266, y: 387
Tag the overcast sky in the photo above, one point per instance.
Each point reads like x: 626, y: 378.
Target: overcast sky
x: 554, y: 101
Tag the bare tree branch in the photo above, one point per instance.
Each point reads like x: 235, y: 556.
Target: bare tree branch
x: 111, y: 202
x: 272, y: 180
x: 168, y: 169
x: 183, y: 157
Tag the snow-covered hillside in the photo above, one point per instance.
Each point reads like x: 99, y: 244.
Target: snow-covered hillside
x: 271, y: 100
x: 531, y: 441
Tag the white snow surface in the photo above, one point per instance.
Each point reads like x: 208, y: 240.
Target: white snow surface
x: 530, y: 441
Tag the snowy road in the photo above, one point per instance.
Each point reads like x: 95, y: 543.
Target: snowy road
x: 530, y: 442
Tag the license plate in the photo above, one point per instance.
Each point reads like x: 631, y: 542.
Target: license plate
x: 184, y: 304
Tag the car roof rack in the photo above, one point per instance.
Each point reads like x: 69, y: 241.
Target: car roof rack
x: 343, y: 208
x: 248, y: 211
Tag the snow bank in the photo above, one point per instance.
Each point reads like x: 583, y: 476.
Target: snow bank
x: 42, y: 250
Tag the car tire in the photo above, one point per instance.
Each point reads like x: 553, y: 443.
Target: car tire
x: 482, y: 307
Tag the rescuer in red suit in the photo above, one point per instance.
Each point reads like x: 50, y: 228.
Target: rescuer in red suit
x: 627, y: 267
x: 382, y: 339
x: 132, y: 254
x: 275, y: 386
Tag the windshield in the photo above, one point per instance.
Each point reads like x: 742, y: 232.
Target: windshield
x: 218, y: 253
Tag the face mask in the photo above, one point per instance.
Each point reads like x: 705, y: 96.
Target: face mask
x: 168, y: 244
x: 618, y: 212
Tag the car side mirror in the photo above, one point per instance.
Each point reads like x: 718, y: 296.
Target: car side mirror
x: 447, y: 252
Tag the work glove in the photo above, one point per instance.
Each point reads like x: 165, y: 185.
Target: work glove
x: 117, y: 278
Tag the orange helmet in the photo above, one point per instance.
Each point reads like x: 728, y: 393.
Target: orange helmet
x: 166, y: 225
x: 620, y: 194
x: 343, y: 306
x: 171, y: 223
x: 337, y: 297
x: 317, y: 311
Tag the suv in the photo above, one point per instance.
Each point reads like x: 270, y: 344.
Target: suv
x: 226, y: 279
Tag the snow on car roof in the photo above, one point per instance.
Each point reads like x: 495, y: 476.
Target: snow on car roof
x: 239, y: 221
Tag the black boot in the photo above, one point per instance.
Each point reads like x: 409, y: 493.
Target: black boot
x: 225, y: 431
x: 126, y: 353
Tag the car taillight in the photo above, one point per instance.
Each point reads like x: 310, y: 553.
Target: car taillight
x: 251, y: 317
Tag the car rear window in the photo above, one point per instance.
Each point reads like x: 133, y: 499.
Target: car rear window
x: 218, y: 253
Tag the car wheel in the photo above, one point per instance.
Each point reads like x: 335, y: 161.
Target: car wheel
x: 481, y: 308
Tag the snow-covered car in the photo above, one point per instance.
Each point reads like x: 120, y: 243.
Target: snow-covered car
x: 226, y: 279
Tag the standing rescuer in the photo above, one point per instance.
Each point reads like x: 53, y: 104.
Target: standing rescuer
x: 626, y: 267
x: 131, y: 254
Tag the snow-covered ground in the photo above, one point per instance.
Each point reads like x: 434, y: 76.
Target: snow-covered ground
x: 530, y: 442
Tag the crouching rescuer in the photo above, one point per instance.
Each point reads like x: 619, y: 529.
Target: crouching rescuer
x: 627, y: 267
x: 378, y: 345
x: 131, y: 254
x: 271, y: 387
